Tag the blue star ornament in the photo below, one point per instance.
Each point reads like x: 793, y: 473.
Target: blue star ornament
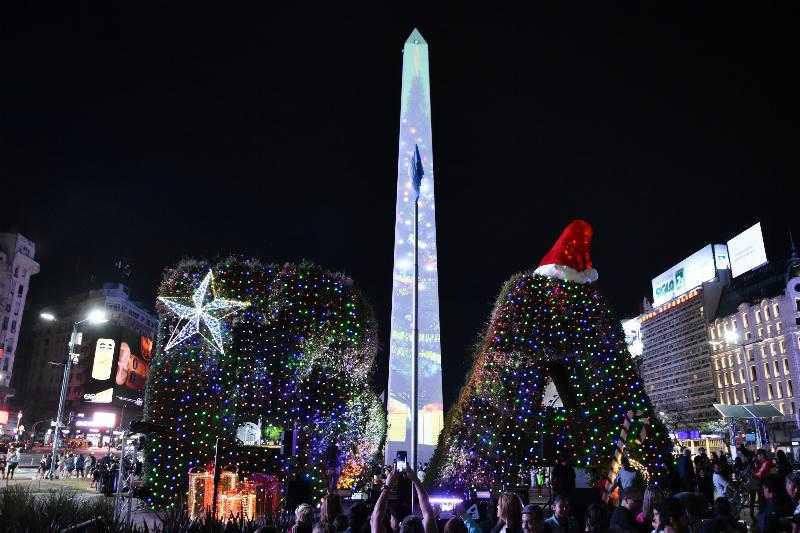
x: 202, y: 309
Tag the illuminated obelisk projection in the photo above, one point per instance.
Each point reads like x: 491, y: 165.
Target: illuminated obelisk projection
x: 415, y: 133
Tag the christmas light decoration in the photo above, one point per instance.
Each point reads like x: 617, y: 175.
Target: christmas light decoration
x: 296, y: 367
x: 550, y: 329
x: 198, y: 311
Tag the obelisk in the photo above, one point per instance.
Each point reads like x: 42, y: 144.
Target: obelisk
x: 415, y: 134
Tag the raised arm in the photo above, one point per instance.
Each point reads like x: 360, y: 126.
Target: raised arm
x: 378, y: 518
x: 428, y: 516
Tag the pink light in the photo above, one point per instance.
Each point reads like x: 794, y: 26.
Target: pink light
x: 100, y: 419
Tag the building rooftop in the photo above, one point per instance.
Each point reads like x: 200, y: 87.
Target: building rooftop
x: 766, y: 281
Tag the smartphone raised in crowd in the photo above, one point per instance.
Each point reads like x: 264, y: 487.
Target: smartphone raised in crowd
x: 401, y: 461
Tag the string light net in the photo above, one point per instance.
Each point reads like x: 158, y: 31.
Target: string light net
x: 297, y: 355
x: 552, y: 379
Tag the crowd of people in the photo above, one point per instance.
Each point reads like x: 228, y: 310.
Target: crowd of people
x: 704, y: 494
x: 9, y: 461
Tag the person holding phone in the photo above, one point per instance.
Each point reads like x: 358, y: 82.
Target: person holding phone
x: 410, y: 523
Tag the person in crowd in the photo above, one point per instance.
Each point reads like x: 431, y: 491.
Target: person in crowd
x: 69, y: 466
x: 330, y: 508
x: 4, y: 461
x: 685, y: 470
x: 775, y: 505
x: 80, y: 466
x: 533, y: 519
x: 653, y: 496
x: 459, y: 511
x: 722, y: 485
x: 323, y: 527
x: 303, y: 519
x: 782, y: 464
x: 562, y: 520
x: 627, y: 477
x: 562, y: 478
x: 487, y: 515
x: 411, y: 523
x: 42, y: 471
x: 358, y: 519
x: 792, y: 484
x: 761, y: 469
x: 661, y: 517
x: 455, y: 525
x: 624, y: 517
x: 703, y: 475
x: 596, y: 519
x: 723, y: 520
x: 509, y: 514
x: 397, y: 512
x: 12, y: 461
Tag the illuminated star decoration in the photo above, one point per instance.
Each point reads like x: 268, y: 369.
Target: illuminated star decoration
x: 201, y: 308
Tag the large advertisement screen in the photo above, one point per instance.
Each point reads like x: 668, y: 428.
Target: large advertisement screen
x: 686, y: 275
x: 747, y: 251
x: 118, y: 368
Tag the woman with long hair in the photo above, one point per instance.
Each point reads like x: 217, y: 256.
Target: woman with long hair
x: 509, y: 514
x: 330, y: 507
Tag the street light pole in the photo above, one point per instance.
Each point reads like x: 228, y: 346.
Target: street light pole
x: 96, y: 316
x: 63, y: 397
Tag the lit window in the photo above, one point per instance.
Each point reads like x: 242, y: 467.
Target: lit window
x: 769, y: 330
x: 735, y: 397
x: 776, y: 312
x: 785, y: 366
x: 747, y: 336
x: 756, y: 394
x: 716, y: 364
x: 744, y: 396
x: 780, y: 407
x: 760, y: 333
x: 741, y: 375
x: 745, y: 323
x: 779, y: 389
x: 725, y: 378
x: 753, y: 375
x: 733, y: 378
x: 769, y: 391
x: 719, y: 382
x: 728, y: 396
x: 749, y: 354
x: 791, y: 407
x: 778, y: 327
x: 758, y: 317
x: 775, y: 368
x: 766, y: 313
x: 782, y: 346
x: 789, y: 390
x: 738, y: 358
x: 766, y: 370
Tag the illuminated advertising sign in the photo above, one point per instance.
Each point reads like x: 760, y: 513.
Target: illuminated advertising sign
x: 685, y: 276
x: 747, y: 251
x: 120, y: 366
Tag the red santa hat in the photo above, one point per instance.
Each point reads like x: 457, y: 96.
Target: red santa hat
x: 569, y: 259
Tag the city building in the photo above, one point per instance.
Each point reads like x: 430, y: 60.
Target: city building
x: 16, y: 268
x: 106, y: 386
x: 675, y: 362
x: 755, y: 343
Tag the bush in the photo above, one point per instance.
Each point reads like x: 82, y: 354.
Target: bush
x: 22, y: 511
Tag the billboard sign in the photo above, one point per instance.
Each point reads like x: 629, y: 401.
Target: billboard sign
x: 747, y: 251
x: 119, y: 367
x: 685, y: 276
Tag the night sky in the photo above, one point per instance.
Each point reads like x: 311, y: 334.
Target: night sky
x: 156, y: 135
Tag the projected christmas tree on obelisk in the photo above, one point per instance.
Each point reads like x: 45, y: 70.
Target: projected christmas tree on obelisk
x: 415, y: 284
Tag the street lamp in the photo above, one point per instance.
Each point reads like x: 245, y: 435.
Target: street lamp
x: 94, y: 317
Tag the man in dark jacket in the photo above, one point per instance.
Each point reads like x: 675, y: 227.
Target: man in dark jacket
x: 686, y: 470
x: 624, y: 517
x: 562, y: 478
